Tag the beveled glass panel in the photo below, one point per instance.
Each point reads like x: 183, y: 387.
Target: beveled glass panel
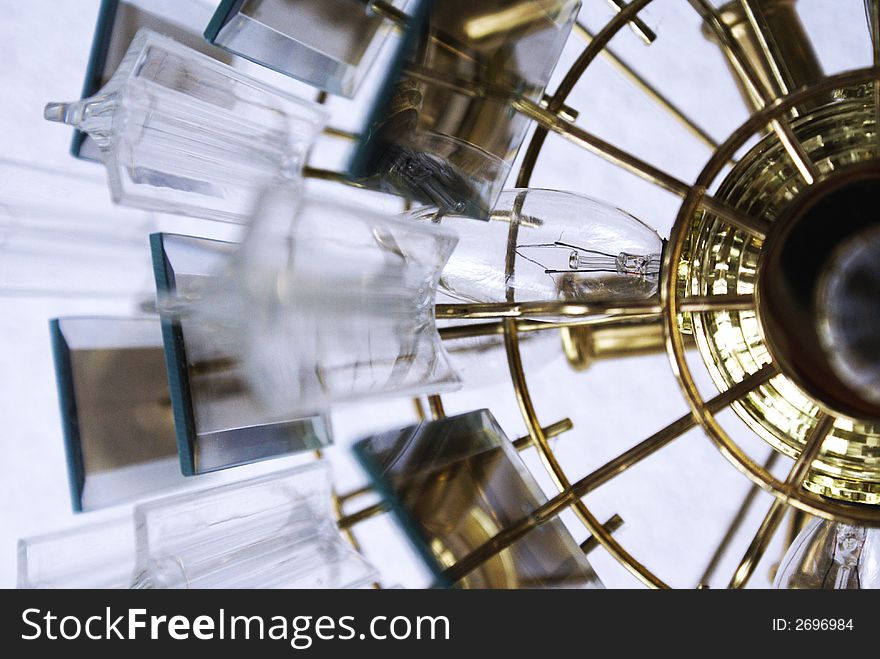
x: 330, y: 44
x: 450, y: 134
x: 115, y: 409
x: 219, y: 423
x: 454, y: 484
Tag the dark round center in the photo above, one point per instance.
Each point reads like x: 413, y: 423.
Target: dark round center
x: 801, y: 249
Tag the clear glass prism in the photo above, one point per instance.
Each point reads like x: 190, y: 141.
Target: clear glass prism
x: 95, y: 556
x: 219, y: 422
x: 182, y: 133
x: 276, y: 531
x: 325, y: 303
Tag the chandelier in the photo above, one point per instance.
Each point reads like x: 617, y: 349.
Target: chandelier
x: 442, y: 268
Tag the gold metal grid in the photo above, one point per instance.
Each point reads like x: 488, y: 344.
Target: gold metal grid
x: 511, y: 318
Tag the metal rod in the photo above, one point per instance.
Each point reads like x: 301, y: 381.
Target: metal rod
x: 759, y: 544
x: 613, y: 524
x: 435, y: 403
x: 774, y: 516
x: 354, y: 494
x: 348, y: 521
x: 564, y: 308
x: 342, y: 134
x: 645, y: 33
x: 572, y: 493
x: 736, y: 523
x: 756, y: 226
x: 577, y: 135
x: 553, y: 430
x: 806, y: 167
x: 330, y: 175
x: 649, y: 90
x: 420, y: 409
x: 810, y: 451
x: 872, y: 14
x: 596, y: 46
x: 453, y: 332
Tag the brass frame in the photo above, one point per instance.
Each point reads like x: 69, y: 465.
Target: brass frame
x: 511, y: 318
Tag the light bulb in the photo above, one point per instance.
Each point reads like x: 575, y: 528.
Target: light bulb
x: 561, y: 246
x: 831, y: 555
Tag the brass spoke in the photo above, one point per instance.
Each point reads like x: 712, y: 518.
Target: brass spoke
x: 715, y: 303
x: 613, y: 524
x: 435, y: 403
x: 639, y: 307
x: 453, y: 332
x: 618, y: 308
x: 553, y: 430
x: 810, y: 451
x: 645, y: 33
x: 872, y: 14
x: 348, y: 521
x: 774, y: 516
x: 759, y: 544
x: 755, y: 16
x: 665, y: 436
x: 572, y: 494
x: 755, y: 226
x: 796, y: 153
x: 736, y: 523
x: 649, y: 90
x: 600, y: 147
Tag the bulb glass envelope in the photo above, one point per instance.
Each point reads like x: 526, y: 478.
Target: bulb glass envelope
x: 118, y: 22
x: 219, y: 423
x: 566, y: 246
x: 276, y: 531
x: 115, y: 410
x: 448, y: 134
x: 454, y: 484
x: 330, y: 44
x: 180, y: 132
x: 326, y: 302
x: 831, y: 555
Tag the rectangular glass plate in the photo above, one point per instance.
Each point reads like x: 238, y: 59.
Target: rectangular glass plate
x: 454, y: 484
x: 118, y: 22
x: 330, y: 44
x: 447, y: 134
x: 219, y: 424
x: 115, y: 410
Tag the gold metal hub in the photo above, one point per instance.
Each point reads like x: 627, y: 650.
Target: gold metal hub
x: 839, y: 138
